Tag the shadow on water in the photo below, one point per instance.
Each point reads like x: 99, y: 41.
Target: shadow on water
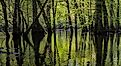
x: 118, y: 42
x: 86, y: 49
x: 101, y: 45
x: 106, y: 38
x: 111, y: 48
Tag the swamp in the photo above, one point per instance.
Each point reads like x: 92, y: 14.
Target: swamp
x: 60, y: 33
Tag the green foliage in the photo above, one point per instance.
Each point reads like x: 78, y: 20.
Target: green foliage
x: 61, y: 12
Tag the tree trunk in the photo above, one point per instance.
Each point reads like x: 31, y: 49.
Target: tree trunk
x: 76, y: 44
x: 6, y: 31
x: 54, y: 12
x: 71, y: 28
x: 98, y: 20
x: 117, y: 27
x: 16, y: 30
x: 37, y: 33
x: 111, y: 15
x: 105, y: 14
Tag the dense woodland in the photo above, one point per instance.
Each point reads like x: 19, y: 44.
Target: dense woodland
x: 25, y: 19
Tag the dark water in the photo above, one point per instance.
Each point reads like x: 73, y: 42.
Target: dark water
x: 88, y: 50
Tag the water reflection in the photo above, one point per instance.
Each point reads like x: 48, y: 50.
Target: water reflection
x: 86, y: 49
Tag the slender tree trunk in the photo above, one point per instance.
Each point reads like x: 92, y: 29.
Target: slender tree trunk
x: 49, y: 29
x: 6, y: 31
x: 53, y: 9
x: 118, y: 4
x: 111, y: 15
x: 76, y: 44
x: 98, y: 20
x: 16, y: 30
x: 105, y: 14
x: 90, y: 16
x: 69, y: 16
x: 71, y: 28
x: 19, y: 39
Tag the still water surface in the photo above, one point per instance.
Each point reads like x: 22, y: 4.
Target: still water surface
x: 89, y: 50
